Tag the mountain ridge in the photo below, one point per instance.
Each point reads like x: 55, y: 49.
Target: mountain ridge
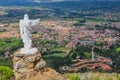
x: 37, y: 3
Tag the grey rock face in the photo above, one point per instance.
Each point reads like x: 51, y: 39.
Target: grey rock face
x: 24, y: 64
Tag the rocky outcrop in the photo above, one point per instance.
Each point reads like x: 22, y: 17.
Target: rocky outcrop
x: 32, y: 67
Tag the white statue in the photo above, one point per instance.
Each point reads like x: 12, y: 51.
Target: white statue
x: 25, y: 31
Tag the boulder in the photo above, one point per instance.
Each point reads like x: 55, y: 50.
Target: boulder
x: 32, y: 67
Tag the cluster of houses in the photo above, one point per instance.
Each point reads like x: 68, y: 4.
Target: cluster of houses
x: 8, y: 32
x: 62, y: 31
x: 58, y: 31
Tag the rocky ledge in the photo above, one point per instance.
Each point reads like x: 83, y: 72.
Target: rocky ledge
x: 32, y: 67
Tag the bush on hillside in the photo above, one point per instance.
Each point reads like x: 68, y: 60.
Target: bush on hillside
x: 5, y: 72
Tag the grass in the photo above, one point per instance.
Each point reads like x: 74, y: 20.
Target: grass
x: 92, y: 76
x: 61, y: 49
x: 55, y: 55
x: 9, y: 44
x: 54, y: 60
x: 73, y: 76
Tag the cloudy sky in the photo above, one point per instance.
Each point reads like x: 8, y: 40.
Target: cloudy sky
x: 10, y: 1
x: 50, y: 0
x: 67, y: 0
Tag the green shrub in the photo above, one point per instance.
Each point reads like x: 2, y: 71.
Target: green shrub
x: 87, y: 55
x: 118, y: 49
x: 5, y: 72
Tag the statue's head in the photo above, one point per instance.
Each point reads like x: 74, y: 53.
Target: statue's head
x: 26, y: 17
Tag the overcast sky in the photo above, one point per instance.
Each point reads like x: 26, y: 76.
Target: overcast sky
x: 51, y: 0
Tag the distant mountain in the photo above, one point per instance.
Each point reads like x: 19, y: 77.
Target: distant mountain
x: 13, y: 2
x: 36, y: 2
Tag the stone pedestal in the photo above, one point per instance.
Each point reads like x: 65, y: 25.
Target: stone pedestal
x: 32, y: 67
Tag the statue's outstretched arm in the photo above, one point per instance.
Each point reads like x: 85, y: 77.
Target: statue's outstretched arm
x: 34, y: 22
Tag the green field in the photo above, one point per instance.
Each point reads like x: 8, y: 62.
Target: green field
x: 9, y: 45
